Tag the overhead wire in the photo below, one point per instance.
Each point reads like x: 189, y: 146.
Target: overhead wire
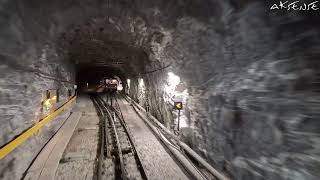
x: 14, y: 65
x: 159, y: 69
x: 153, y: 71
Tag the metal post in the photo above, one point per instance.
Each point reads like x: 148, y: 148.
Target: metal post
x: 148, y: 108
x: 179, y: 120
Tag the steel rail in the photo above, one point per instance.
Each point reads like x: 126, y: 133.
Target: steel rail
x: 118, y: 148
x: 175, y: 151
x: 184, y: 146
x: 102, y: 141
x: 118, y: 113
x: 120, y: 155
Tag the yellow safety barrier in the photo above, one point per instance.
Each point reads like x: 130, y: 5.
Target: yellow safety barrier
x: 24, y: 136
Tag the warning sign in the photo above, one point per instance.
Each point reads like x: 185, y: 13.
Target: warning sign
x: 178, y: 105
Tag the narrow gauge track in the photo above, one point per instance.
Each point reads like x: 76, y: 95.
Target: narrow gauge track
x: 116, y: 142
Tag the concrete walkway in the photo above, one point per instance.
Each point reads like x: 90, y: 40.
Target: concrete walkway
x: 47, y: 162
x: 71, y: 153
x: 79, y: 157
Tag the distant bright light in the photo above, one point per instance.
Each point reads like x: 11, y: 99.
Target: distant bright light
x: 141, y: 82
x: 173, y: 81
x: 47, y: 106
x: 172, y: 94
x: 141, y: 92
x: 54, y: 98
x: 128, y: 86
x: 120, y: 87
x: 183, y: 122
x: 114, y: 81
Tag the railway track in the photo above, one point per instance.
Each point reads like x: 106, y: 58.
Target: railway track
x: 116, y: 142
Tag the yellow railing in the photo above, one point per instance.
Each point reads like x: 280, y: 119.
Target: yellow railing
x: 34, y: 129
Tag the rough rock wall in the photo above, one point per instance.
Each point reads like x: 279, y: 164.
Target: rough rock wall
x: 21, y: 96
x: 157, y: 106
x: 30, y: 64
x: 253, y: 88
x: 252, y: 77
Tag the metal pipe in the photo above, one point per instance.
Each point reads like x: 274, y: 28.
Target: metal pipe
x: 183, y: 145
x: 195, y: 174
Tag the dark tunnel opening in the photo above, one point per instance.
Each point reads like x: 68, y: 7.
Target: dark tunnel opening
x: 95, y: 56
x: 94, y: 75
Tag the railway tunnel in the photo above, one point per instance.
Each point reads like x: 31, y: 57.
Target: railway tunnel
x: 246, y: 75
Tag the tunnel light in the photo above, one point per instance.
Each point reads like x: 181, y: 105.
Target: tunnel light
x: 173, y: 94
x: 54, y: 98
x: 120, y: 87
x: 141, y: 82
x: 128, y: 86
x: 141, y: 92
x: 183, y: 121
x: 172, y: 82
x: 48, y: 104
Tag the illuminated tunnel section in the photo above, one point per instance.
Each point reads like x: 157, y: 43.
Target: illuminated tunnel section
x: 247, y: 76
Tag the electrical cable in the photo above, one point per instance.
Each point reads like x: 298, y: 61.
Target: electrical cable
x: 19, y: 67
x: 153, y: 71
x: 159, y: 69
x: 167, y: 141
